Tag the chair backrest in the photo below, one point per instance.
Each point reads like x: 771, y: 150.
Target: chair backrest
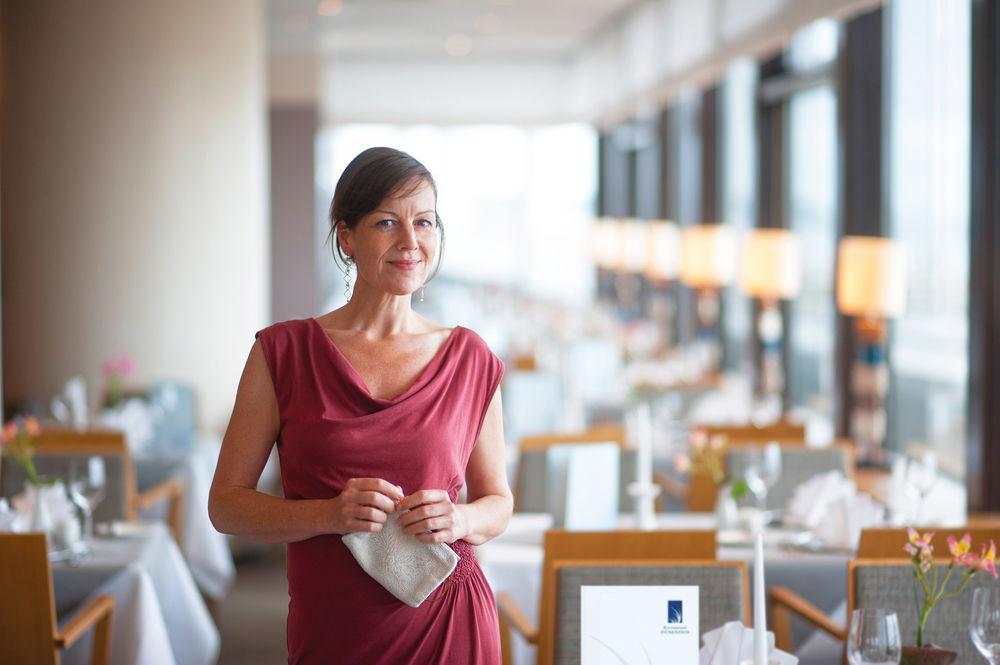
x: 888, y: 543
x: 609, y: 545
x: 56, y: 450
x: 531, y: 480
x: 723, y: 592
x: 783, y: 432
x: 27, y: 613
x: 889, y: 584
x: 798, y: 464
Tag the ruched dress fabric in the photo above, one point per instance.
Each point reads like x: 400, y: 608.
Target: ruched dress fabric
x: 332, y: 430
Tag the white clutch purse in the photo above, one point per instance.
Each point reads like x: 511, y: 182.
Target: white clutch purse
x: 408, y: 569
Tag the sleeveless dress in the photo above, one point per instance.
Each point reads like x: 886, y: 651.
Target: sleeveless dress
x: 332, y: 429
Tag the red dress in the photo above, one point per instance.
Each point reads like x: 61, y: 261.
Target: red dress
x: 332, y: 429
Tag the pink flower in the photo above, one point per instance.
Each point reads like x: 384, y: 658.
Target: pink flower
x: 960, y: 549
x: 987, y: 561
x: 117, y: 366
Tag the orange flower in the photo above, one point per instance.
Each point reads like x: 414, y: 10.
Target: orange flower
x: 10, y: 431
x: 31, y: 426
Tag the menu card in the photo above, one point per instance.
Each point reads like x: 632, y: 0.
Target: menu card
x: 638, y: 625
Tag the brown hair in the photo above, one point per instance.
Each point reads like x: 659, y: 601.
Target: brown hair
x: 371, y: 177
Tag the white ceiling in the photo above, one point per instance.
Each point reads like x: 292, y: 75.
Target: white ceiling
x: 391, y: 29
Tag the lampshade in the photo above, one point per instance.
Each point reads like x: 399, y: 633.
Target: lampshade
x: 633, y: 246
x: 605, y: 243
x: 871, y: 277
x: 663, y: 258
x: 708, y: 256
x: 771, y: 265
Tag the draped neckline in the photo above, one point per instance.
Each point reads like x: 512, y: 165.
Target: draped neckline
x: 355, y: 376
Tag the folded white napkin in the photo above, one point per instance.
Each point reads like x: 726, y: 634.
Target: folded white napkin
x: 812, y: 499
x: 846, y: 517
x: 65, y: 529
x: 408, y: 569
x: 135, y: 419
x: 732, y: 644
x: 11, y: 520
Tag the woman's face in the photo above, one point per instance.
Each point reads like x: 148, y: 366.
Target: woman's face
x: 394, y: 246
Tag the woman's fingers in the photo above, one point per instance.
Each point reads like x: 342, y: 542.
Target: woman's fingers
x: 380, y: 485
x: 422, y: 497
x: 374, y: 499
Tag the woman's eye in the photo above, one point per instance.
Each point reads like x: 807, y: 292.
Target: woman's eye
x: 385, y: 222
x: 424, y: 222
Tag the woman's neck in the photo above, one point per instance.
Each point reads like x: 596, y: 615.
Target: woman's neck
x: 377, y: 314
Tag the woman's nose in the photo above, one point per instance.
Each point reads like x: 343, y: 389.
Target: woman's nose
x: 408, y: 239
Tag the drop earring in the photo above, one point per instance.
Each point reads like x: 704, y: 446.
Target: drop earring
x: 423, y: 289
x: 348, y: 262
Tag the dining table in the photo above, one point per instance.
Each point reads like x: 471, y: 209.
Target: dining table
x: 159, y: 615
x: 206, y: 550
x: 513, y: 561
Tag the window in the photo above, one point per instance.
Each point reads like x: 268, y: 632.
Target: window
x: 928, y: 100
x: 739, y: 205
x: 811, y: 205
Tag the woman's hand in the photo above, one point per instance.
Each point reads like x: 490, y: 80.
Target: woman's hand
x: 364, y: 505
x: 432, y: 517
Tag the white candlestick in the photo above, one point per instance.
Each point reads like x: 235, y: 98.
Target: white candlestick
x: 759, y: 606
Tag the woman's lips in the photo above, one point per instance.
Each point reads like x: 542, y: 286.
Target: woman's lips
x: 405, y: 265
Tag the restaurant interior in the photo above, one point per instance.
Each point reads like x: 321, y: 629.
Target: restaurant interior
x: 740, y: 260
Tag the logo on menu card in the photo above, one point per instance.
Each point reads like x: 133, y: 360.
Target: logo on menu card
x: 675, y: 611
x: 675, y: 619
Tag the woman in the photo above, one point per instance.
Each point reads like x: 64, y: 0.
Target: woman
x: 375, y: 410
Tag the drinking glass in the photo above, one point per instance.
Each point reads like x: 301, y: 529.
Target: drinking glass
x: 873, y: 638
x: 88, y: 479
x: 984, y: 625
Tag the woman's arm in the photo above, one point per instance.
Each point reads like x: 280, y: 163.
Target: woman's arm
x: 490, y: 501
x: 236, y: 507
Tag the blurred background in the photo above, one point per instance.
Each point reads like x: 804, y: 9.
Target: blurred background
x: 736, y: 213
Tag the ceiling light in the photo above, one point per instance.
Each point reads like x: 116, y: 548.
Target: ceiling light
x: 487, y: 24
x: 330, y: 7
x: 458, y: 44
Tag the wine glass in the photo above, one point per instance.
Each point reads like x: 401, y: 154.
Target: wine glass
x: 984, y: 626
x: 873, y: 638
x: 921, y: 475
x: 90, y: 483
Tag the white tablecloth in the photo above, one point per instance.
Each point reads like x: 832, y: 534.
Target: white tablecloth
x: 159, y: 616
x: 205, y: 549
x: 513, y: 563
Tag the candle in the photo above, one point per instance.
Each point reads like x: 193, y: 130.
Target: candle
x: 759, y: 611
x: 644, y: 436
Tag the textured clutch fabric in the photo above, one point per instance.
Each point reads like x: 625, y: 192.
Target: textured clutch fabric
x: 408, y: 569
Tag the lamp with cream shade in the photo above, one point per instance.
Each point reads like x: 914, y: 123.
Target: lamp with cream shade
x: 771, y: 271
x: 708, y: 263
x: 662, y: 268
x: 871, y: 286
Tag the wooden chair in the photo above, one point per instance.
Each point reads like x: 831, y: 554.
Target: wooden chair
x: 530, y: 475
x: 882, y: 544
x: 590, y: 546
x: 56, y: 448
x: 29, y: 632
x: 783, y: 432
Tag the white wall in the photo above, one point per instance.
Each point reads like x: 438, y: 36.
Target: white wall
x: 135, y: 193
